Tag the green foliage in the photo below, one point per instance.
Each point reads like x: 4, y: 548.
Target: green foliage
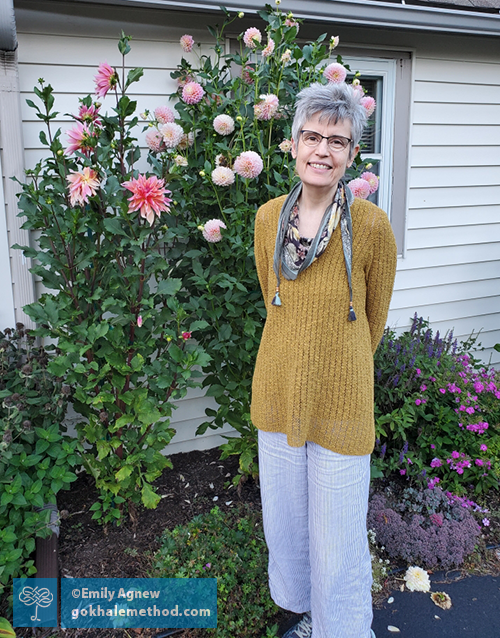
x: 36, y: 460
x: 437, y: 411
x: 121, y: 326
x: 220, y: 278
x: 228, y: 546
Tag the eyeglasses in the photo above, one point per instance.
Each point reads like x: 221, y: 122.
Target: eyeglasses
x: 335, y: 142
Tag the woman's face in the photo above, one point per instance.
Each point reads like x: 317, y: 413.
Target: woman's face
x: 319, y: 167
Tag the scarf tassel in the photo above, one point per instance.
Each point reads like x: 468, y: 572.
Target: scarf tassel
x: 352, y: 314
x: 276, y: 300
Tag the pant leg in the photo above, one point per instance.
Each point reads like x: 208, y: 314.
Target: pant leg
x: 283, y: 485
x: 341, y: 575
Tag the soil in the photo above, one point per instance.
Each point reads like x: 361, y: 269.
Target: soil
x: 198, y: 481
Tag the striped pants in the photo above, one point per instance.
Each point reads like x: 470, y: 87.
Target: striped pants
x: 314, y: 504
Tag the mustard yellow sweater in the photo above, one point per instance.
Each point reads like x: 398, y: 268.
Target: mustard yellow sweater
x: 313, y: 378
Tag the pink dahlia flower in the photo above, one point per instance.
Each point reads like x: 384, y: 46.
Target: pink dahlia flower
x: 334, y: 42
x: 285, y: 146
x: 335, y: 72
x: 359, y: 188
x: 172, y: 134
x: 372, y: 179
x: 187, y: 139
x: 252, y: 37
x: 89, y: 115
x: 369, y: 103
x: 82, y: 186
x: 286, y: 56
x: 357, y: 88
x: 248, y: 164
x: 224, y: 124
x: 180, y: 160
x: 154, y: 140
x: 211, y: 230
x: 267, y: 108
x: 290, y: 22
x: 245, y: 74
x: 80, y: 139
x: 186, y: 335
x: 222, y: 176
x: 269, y: 50
x: 164, y: 114
x: 149, y: 196
x: 105, y: 80
x: 187, y: 43
x: 192, y: 93
x: 184, y: 79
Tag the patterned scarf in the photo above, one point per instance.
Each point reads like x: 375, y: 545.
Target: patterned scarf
x: 288, y: 254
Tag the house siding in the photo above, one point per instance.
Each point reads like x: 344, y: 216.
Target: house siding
x: 450, y: 265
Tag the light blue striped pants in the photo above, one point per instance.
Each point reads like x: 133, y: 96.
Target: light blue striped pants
x: 314, y: 504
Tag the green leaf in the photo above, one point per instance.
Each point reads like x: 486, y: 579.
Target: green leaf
x: 134, y: 75
x: 148, y: 497
x: 169, y: 286
x: 124, y: 472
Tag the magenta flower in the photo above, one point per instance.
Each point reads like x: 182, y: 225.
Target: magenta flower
x: 483, y: 447
x: 486, y: 522
x: 105, y: 80
x: 359, y: 187
x: 139, y: 321
x: 252, y: 37
x: 186, y: 336
x: 402, y: 472
x: 80, y: 139
x: 248, y: 164
x: 192, y: 93
x: 335, y: 73
x: 222, y: 176
x: 372, y: 179
x: 212, y: 230
x: 82, y: 186
x: 369, y: 103
x: 164, y: 114
x: 89, y: 115
x: 436, y: 462
x: 224, y: 124
x: 433, y: 447
x: 187, y: 43
x: 442, y: 390
x: 418, y: 371
x: 418, y: 401
x: 149, y: 196
x: 455, y: 455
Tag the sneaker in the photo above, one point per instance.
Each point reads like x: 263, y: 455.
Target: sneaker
x: 303, y: 629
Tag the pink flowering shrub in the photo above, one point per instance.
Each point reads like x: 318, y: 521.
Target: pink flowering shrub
x: 423, y: 527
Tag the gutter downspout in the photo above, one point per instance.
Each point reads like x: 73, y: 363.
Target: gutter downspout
x: 12, y: 163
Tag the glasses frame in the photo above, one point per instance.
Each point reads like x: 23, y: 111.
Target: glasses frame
x: 326, y: 137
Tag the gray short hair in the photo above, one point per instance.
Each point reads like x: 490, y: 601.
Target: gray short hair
x: 335, y: 103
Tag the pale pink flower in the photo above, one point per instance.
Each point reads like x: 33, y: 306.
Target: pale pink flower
x: 245, y: 74
x: 149, y: 196
x: 180, y: 160
x: 285, y: 146
x: 359, y: 188
x: 222, y: 176
x: 186, y: 140
x: 357, y: 88
x: 164, y: 114
x: 290, y: 22
x: 224, y: 124
x: 187, y: 43
x: 172, y: 134
x: 248, y: 164
x: 139, y: 321
x: 82, y: 186
x: 221, y: 160
x: 334, y: 42
x: 286, y: 57
x: 335, y: 72
x: 252, y: 37
x: 211, y: 230
x: 372, y: 179
x: 182, y: 80
x: 89, y: 115
x: 369, y: 103
x: 105, y: 80
x: 269, y: 50
x: 80, y: 139
x: 154, y: 140
x: 267, y: 108
x: 192, y: 93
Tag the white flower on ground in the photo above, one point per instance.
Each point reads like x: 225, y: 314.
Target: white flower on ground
x: 417, y: 579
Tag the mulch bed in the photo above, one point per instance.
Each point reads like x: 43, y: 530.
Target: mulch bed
x: 198, y: 481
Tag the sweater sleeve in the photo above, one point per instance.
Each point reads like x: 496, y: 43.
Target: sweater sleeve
x: 380, y: 279
x: 261, y: 256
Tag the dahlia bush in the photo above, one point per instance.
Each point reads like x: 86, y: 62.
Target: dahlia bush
x: 111, y: 308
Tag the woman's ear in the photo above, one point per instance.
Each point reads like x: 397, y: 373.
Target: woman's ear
x: 355, y: 151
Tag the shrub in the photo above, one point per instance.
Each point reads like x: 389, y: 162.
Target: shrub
x: 228, y: 546
x: 36, y: 460
x: 427, y: 527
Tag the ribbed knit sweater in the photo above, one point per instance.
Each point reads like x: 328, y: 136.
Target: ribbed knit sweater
x: 313, y: 378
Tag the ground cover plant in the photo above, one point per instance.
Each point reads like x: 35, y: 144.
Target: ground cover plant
x: 36, y: 459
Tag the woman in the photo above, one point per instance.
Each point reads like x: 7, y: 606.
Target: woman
x: 326, y: 264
